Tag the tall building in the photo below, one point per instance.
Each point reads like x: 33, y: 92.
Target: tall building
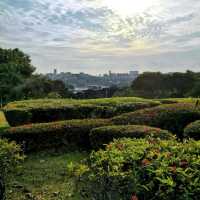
x: 55, y: 71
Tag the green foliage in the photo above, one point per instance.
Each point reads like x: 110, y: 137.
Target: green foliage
x: 104, y: 135
x: 172, y: 117
x: 39, y: 86
x: 158, y: 85
x: 10, y: 157
x: 17, y: 57
x: 15, y: 66
x: 179, y: 100
x: 73, y: 134
x: 141, y: 169
x: 48, y: 110
x: 3, y: 123
x: 43, y: 176
x: 193, y: 130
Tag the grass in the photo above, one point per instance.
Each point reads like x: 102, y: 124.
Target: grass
x: 44, y: 177
x: 3, y: 123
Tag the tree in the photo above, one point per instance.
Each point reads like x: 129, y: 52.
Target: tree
x: 158, y: 85
x: 39, y: 86
x: 15, y: 67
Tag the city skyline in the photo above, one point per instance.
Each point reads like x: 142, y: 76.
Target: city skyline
x: 95, y: 36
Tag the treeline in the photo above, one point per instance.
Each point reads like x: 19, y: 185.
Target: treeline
x: 164, y: 85
x: 18, y: 81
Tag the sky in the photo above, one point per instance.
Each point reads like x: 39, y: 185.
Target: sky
x: 94, y: 36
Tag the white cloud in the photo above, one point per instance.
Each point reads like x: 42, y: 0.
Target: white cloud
x: 85, y: 35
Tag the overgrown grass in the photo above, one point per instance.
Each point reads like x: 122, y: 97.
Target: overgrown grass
x: 3, y: 123
x: 44, y: 177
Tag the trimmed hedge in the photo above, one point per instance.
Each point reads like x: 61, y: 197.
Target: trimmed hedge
x: 131, y: 169
x: 104, y: 135
x: 18, y: 117
x: 38, y: 111
x: 172, y: 117
x: 73, y: 134
x: 193, y: 130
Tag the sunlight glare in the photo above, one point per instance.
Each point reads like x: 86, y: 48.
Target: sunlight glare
x: 129, y: 7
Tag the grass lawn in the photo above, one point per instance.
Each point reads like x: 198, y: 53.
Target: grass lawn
x: 3, y: 122
x: 44, y: 177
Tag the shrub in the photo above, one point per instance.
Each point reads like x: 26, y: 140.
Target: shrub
x: 104, y: 135
x: 67, y: 134
x: 10, y: 157
x: 141, y: 169
x: 17, y: 117
x: 172, y: 117
x: 193, y: 130
x: 41, y: 111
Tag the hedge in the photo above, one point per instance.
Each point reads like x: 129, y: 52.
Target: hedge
x: 18, y: 117
x: 172, y: 117
x: 72, y: 134
x: 141, y: 169
x: 104, y: 135
x: 3, y: 123
x: 38, y: 111
x: 193, y: 130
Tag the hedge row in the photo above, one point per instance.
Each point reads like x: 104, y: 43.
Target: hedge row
x: 67, y: 134
x: 52, y: 103
x: 172, y: 117
x: 42, y: 114
x: 141, y: 169
x: 103, y: 135
x: 76, y: 134
x: 193, y: 130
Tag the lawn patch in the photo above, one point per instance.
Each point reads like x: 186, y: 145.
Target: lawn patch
x: 44, y: 177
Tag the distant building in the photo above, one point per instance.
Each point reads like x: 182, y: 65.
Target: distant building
x: 55, y: 71
x: 84, y: 81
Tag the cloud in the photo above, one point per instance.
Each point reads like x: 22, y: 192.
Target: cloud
x: 85, y: 35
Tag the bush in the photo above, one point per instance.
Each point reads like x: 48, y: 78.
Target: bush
x: 67, y: 134
x: 172, y: 117
x: 104, y: 135
x: 141, y: 169
x: 41, y: 111
x: 18, y: 117
x: 10, y: 157
x: 193, y: 130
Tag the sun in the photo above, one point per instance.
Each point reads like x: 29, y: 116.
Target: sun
x: 129, y: 7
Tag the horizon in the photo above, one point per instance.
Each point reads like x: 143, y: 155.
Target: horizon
x: 101, y: 35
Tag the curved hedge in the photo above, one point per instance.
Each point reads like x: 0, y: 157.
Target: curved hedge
x: 104, y: 135
x: 43, y: 111
x: 193, y: 130
x: 141, y: 169
x: 172, y: 117
x: 3, y: 123
x: 55, y: 135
